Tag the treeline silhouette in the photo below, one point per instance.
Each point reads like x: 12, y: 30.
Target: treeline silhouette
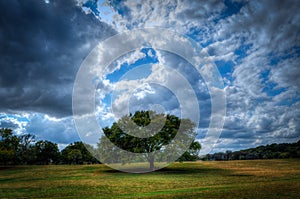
x: 272, y: 151
x: 24, y: 149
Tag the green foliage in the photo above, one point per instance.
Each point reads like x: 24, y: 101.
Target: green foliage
x: 75, y: 156
x: 77, y: 153
x: 46, y: 152
x: 283, y: 150
x: 192, y: 153
x: 24, y: 149
x: 149, y: 142
x: 9, y: 144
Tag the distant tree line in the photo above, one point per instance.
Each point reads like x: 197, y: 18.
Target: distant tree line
x: 272, y: 151
x: 24, y: 149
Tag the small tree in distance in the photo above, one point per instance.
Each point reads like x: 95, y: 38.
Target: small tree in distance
x: 77, y: 153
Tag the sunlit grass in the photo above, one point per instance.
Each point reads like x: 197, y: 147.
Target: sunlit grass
x: 238, y: 179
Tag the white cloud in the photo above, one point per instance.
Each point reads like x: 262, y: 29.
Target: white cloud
x: 287, y: 73
x: 130, y: 58
x: 180, y: 14
x: 145, y: 91
x: 18, y: 122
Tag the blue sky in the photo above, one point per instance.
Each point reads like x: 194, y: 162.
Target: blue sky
x: 255, y: 46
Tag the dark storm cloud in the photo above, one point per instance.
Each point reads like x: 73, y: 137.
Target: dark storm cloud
x: 41, y: 48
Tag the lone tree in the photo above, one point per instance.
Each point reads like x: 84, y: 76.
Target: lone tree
x: 139, y: 139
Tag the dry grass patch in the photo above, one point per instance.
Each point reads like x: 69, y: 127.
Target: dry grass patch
x: 271, y: 168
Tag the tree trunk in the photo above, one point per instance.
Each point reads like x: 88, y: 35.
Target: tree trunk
x: 151, y: 163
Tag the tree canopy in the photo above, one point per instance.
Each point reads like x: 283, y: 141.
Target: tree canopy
x: 144, y: 133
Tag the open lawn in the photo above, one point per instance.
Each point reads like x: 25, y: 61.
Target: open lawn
x: 232, y: 179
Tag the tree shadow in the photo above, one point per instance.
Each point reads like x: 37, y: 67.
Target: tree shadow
x: 170, y: 170
x: 190, y: 170
x: 12, y: 167
x: 3, y: 167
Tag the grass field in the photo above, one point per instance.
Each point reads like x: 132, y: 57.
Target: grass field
x: 232, y: 179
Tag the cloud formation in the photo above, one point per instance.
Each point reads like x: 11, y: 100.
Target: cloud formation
x: 256, y: 48
x: 42, y: 47
x: 255, y: 45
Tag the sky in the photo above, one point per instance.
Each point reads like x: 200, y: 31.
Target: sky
x: 254, y: 45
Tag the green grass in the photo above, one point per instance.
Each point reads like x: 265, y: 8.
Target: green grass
x: 232, y: 179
